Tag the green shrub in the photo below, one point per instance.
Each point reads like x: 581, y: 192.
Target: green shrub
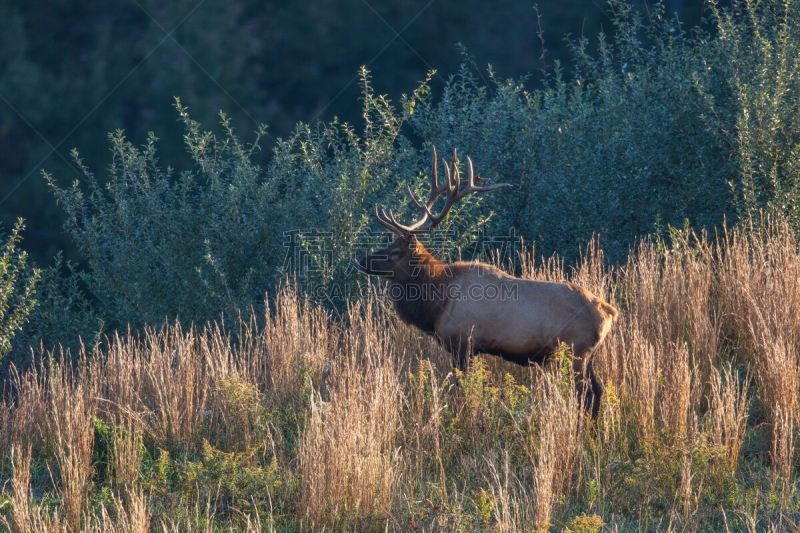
x: 159, y: 243
x: 585, y: 524
x: 64, y: 313
x: 241, y: 482
x: 658, y: 126
x: 210, y: 240
x: 17, y: 289
x: 756, y: 56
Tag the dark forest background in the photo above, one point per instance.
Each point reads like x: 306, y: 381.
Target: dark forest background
x: 70, y: 72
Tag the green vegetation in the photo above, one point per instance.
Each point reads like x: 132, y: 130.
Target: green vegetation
x: 303, y: 421
x: 17, y: 289
x: 119, y: 66
x: 321, y: 410
x: 662, y: 126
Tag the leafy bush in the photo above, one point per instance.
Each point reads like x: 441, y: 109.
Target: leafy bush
x: 658, y: 127
x: 17, y: 288
x: 756, y: 56
x: 184, y: 245
x: 210, y: 239
x: 64, y: 313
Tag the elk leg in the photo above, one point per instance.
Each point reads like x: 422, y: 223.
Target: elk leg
x: 460, y: 358
x: 459, y: 353
x: 597, y: 390
x: 587, y: 387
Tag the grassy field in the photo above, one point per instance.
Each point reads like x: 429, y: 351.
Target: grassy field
x: 300, y: 420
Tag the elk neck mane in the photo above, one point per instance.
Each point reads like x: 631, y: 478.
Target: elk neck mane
x: 420, y: 293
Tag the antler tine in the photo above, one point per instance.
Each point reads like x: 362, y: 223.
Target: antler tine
x: 450, y: 184
x: 383, y: 221
x: 456, y: 172
x: 471, y: 178
x: 396, y: 223
x: 435, y: 171
x: 436, y: 191
x: 452, y: 188
x: 417, y: 202
x: 470, y: 172
x: 390, y: 222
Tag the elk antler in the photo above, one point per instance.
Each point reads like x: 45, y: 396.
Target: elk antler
x: 451, y: 187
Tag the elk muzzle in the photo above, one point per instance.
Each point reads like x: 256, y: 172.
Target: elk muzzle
x: 377, y: 264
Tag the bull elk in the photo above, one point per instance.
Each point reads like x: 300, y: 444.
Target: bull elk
x: 472, y: 307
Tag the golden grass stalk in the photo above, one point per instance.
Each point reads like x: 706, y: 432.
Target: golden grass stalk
x: 348, y: 457
x: 71, y: 410
x: 558, y: 421
x: 729, y: 401
x: 392, y: 431
x: 130, y: 513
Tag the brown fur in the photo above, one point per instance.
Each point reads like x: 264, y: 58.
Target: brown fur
x: 524, y: 324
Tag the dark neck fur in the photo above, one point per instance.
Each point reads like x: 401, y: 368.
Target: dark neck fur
x: 420, y: 290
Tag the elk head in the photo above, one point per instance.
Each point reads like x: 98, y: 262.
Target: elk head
x: 406, y: 254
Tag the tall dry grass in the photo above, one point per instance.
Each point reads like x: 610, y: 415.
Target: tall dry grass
x: 348, y: 457
x: 729, y: 401
x: 760, y: 297
x: 555, y: 449
x: 295, y: 419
